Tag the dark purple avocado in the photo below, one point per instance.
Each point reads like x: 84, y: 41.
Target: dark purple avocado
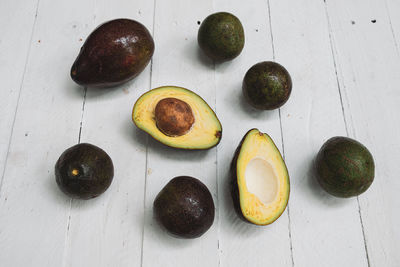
x: 115, y: 52
x: 185, y: 207
x: 84, y: 171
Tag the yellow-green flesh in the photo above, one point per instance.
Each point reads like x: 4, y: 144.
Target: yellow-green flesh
x: 262, y: 178
x: 205, y: 132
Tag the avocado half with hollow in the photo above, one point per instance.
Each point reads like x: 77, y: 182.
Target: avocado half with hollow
x: 260, y: 180
x: 177, y: 117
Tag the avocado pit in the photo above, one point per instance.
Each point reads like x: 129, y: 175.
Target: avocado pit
x: 261, y: 180
x: 173, y: 116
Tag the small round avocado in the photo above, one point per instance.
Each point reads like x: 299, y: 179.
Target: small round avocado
x: 267, y: 85
x: 84, y: 171
x: 185, y: 207
x: 345, y: 167
x: 221, y: 36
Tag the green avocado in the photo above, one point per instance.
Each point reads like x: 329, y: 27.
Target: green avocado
x: 84, y: 171
x: 267, y: 85
x: 345, y: 167
x: 185, y: 207
x: 221, y: 36
x: 115, y: 52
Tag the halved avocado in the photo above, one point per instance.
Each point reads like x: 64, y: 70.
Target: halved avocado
x: 260, y: 179
x: 177, y: 117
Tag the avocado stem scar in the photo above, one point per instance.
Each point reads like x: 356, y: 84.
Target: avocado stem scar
x: 75, y: 172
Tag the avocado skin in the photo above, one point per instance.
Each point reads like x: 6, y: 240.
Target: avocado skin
x: 267, y: 85
x: 221, y: 36
x: 115, y: 52
x: 184, y: 207
x: 345, y: 167
x: 234, y: 187
x: 95, y: 168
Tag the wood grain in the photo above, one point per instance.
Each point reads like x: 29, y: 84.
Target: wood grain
x: 368, y: 71
x: 33, y: 211
x: 177, y: 62
x: 344, y: 60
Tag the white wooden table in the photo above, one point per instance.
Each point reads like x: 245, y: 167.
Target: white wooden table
x: 344, y: 58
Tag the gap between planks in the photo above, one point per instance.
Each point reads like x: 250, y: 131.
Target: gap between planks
x: 281, y: 129
x: 147, y: 145
x: 19, y: 95
x: 331, y: 41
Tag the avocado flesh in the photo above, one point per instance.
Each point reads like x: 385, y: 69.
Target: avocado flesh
x: 115, y: 52
x: 345, y: 167
x: 205, y: 132
x: 267, y: 85
x: 184, y: 207
x: 221, y: 36
x: 260, y: 180
x: 84, y: 171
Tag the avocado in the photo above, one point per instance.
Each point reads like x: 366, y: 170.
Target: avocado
x: 185, y: 207
x: 177, y: 117
x: 84, y: 171
x: 267, y: 85
x: 221, y: 36
x: 345, y: 167
x: 259, y: 179
x: 115, y: 52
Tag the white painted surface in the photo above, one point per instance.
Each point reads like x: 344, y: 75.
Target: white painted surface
x: 346, y: 74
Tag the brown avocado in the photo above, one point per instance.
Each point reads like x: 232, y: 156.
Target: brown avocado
x: 185, y: 207
x: 84, y: 171
x: 115, y: 52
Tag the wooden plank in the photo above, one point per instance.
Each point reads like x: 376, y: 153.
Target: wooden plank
x: 177, y: 62
x: 14, y: 44
x: 368, y: 66
x: 392, y: 8
x: 108, y: 231
x: 33, y: 210
x: 326, y: 231
x: 242, y: 244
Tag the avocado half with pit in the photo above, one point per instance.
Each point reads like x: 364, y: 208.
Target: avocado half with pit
x: 177, y: 117
x: 260, y: 179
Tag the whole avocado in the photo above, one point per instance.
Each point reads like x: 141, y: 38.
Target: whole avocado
x: 185, y: 207
x: 84, y: 171
x: 345, y: 167
x: 267, y: 85
x: 115, y: 52
x: 221, y: 36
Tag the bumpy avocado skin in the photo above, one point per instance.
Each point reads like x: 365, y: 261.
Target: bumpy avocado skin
x: 184, y: 207
x: 345, y: 167
x: 267, y: 85
x: 115, y: 52
x: 221, y: 36
x: 95, y: 171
